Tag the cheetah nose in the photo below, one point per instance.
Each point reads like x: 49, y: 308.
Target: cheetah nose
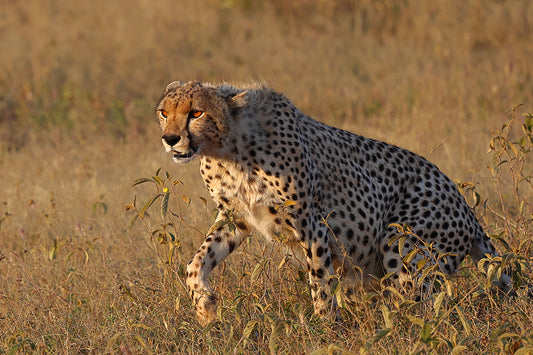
x: 171, y: 139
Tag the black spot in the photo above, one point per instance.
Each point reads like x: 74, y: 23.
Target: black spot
x: 361, y: 226
x: 392, y: 263
x: 319, y: 252
x: 241, y: 225
x: 320, y: 273
x: 349, y: 234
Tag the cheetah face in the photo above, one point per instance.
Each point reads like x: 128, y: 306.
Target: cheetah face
x: 180, y: 144
x: 195, y: 119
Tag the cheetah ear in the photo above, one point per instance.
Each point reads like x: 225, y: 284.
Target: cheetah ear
x: 173, y: 85
x: 240, y: 100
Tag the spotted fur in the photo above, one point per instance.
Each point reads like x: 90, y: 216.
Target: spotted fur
x: 257, y: 151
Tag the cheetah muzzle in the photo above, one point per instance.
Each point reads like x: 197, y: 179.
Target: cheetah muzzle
x: 259, y: 152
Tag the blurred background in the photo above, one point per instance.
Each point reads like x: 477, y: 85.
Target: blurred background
x: 79, y: 81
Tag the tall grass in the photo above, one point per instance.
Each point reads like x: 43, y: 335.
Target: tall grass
x: 78, y: 83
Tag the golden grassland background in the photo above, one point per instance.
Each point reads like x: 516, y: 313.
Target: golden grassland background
x: 78, y: 85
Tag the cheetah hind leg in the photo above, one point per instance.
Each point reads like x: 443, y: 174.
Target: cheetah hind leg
x: 480, y: 248
x: 404, y: 278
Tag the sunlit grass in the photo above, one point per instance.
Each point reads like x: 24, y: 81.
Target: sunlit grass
x: 77, y: 88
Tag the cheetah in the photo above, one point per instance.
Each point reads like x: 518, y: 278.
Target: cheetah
x: 258, y: 152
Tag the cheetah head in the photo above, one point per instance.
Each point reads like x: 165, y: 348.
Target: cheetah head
x: 196, y: 118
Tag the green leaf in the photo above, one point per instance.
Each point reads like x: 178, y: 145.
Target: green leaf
x: 462, y: 317
x: 401, y: 243
x: 133, y: 221
x: 515, y: 149
x: 508, y: 335
x: 425, y: 333
x: 421, y: 263
x: 141, y: 181
x: 524, y: 351
x: 209, y: 326
x: 274, y: 336
x: 394, y: 291
x: 459, y: 349
x: 100, y: 204
x: 257, y: 271
x: 164, y: 204
x: 386, y: 316
x: 335, y: 287
x: 321, y: 351
x: 231, y: 227
x: 248, y: 330
x: 334, y: 348
x: 490, y: 271
x: 158, y: 180
x: 438, y: 302
x: 52, y: 253
x: 21, y: 346
x: 171, y: 254
x: 415, y: 320
x: 380, y: 334
x: 283, y: 261
x: 149, y: 203
x: 409, y: 257
x: 219, y: 224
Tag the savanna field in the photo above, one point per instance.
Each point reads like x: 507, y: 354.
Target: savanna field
x: 97, y: 223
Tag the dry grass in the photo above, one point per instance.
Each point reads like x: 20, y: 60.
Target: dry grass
x: 77, y: 88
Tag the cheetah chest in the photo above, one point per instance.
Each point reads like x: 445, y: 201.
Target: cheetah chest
x: 251, y: 196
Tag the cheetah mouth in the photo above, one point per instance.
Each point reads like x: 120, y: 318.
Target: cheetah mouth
x: 182, y: 158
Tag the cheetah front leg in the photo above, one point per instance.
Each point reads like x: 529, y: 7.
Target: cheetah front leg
x: 219, y: 243
x: 321, y: 273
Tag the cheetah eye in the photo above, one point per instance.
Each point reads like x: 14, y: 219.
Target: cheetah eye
x: 163, y: 114
x: 196, y: 114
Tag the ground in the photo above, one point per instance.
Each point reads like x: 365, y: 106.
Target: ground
x: 79, y: 84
